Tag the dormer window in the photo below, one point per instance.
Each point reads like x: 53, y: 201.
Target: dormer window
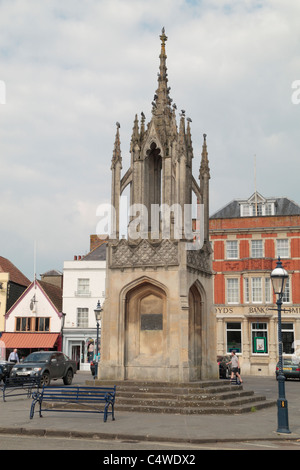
x: 257, y: 206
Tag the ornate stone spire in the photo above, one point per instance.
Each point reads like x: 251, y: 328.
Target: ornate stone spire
x: 161, y: 98
x: 117, y: 149
x: 204, y: 167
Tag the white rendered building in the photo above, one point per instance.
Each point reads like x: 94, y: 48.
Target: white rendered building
x: 84, y: 285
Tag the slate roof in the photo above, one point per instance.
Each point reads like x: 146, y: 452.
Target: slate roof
x: 283, y: 206
x: 15, y: 274
x: 97, y: 254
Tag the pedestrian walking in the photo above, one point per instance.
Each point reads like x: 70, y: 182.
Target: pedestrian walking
x: 235, y: 366
x: 13, y: 357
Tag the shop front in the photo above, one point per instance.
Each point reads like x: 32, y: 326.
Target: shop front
x: 253, y: 333
x: 79, y: 345
x: 28, y: 342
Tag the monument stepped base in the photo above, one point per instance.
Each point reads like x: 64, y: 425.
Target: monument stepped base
x: 203, y: 397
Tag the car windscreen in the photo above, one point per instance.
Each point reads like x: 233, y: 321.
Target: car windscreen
x: 291, y: 361
x: 38, y: 357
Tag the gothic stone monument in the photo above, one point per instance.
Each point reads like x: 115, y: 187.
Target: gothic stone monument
x: 158, y: 322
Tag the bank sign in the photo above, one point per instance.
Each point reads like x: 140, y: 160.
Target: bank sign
x: 254, y: 310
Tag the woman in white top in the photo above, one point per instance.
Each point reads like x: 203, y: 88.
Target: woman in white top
x: 235, y: 366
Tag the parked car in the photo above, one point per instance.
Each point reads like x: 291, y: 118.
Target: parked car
x: 290, y: 368
x: 224, y: 369
x: 5, y: 369
x: 47, y: 365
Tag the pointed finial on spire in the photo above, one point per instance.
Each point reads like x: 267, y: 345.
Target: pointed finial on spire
x: 117, y: 148
x: 204, y: 167
x: 163, y: 39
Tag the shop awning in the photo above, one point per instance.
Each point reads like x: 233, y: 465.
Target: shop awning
x: 29, y: 340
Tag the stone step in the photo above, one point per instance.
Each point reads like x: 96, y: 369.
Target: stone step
x: 210, y: 396
x: 178, y: 389
x: 243, y: 408
x: 159, y: 385
x: 184, y: 397
x: 175, y: 403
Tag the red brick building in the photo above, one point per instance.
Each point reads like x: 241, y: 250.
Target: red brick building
x: 247, y: 238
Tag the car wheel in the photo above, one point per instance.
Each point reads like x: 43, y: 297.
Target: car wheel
x: 45, y: 379
x: 68, y: 377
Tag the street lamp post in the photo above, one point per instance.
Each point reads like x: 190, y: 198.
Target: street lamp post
x: 63, y: 318
x: 98, y: 311
x: 279, y: 278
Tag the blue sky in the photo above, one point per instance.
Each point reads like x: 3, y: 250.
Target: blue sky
x: 74, y: 68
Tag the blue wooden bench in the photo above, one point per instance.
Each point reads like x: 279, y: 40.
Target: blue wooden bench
x: 16, y: 386
x: 60, y: 399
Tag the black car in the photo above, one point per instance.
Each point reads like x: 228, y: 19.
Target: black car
x: 47, y: 365
x: 5, y: 368
x: 224, y: 369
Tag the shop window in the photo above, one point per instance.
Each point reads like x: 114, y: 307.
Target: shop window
x: 259, y: 338
x: 234, y: 337
x: 287, y: 334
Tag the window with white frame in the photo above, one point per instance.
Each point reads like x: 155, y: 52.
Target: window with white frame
x: 260, y: 209
x: 268, y: 296
x: 257, y: 294
x: 257, y: 289
x: 259, y: 338
x: 82, y: 317
x: 257, y: 249
x: 232, y: 249
x: 269, y: 208
x: 245, y: 210
x: 83, y: 287
x: 233, y: 290
x: 286, y: 295
x: 283, y: 248
x: 257, y: 209
x: 246, y: 290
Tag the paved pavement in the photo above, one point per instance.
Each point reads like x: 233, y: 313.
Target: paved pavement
x: 261, y: 424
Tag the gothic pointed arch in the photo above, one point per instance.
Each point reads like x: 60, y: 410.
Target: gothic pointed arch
x: 195, y: 321
x: 145, y: 326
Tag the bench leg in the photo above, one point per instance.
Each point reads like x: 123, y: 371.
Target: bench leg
x: 106, y: 411
x: 34, y: 402
x: 112, y: 413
